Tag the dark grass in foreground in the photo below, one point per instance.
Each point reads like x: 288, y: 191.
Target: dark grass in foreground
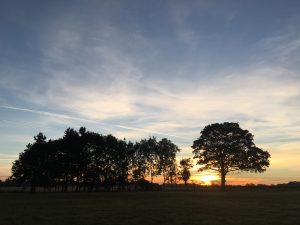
x: 142, y: 208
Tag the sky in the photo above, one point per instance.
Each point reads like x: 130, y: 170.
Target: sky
x: 140, y: 68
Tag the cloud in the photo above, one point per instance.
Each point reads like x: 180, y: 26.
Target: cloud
x: 155, y: 106
x: 280, y: 49
x: 7, y: 156
x: 137, y: 77
x: 89, y: 121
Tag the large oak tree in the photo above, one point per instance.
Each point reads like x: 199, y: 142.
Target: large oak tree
x: 225, y: 147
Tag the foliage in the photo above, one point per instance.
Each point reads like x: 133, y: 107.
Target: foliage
x: 225, y: 147
x: 90, y: 161
x: 184, y: 169
x: 167, y: 160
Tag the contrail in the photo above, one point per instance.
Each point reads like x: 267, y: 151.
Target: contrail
x: 64, y: 116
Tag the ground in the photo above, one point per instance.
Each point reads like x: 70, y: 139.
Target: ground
x: 143, y: 208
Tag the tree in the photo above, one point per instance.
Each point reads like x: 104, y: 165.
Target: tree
x: 31, y: 165
x: 87, y: 160
x: 225, y: 147
x: 166, y: 153
x: 184, y: 169
x: 147, y: 151
x: 70, y: 157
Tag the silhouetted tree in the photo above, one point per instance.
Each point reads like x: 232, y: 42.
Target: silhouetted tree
x: 148, y: 155
x: 184, y: 169
x: 70, y: 157
x: 99, y: 159
x: 31, y: 165
x: 53, y: 165
x: 138, y: 165
x: 166, y: 152
x: 87, y: 160
x: 225, y: 147
x: 89, y: 175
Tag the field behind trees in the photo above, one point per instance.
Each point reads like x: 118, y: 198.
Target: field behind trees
x: 135, y: 208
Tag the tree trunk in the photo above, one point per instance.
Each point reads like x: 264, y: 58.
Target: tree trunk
x: 77, y: 183
x: 32, y: 188
x: 223, y: 181
x: 66, y: 184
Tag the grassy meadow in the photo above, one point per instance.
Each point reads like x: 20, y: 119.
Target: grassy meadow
x: 143, y: 208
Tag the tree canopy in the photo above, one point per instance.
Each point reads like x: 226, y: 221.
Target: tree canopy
x: 184, y: 169
x: 84, y: 160
x: 87, y: 161
x: 225, y: 147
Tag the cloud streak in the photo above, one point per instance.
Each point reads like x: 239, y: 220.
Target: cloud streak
x: 165, y: 69
x: 89, y: 121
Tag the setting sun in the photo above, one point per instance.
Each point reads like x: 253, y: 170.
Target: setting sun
x: 205, y: 179
x: 208, y: 179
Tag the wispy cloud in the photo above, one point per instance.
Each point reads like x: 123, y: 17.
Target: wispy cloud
x: 89, y: 121
x: 166, y: 69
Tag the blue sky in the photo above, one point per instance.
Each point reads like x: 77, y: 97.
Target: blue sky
x: 141, y: 68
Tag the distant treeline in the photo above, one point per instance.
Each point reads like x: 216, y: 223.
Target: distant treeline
x: 84, y: 160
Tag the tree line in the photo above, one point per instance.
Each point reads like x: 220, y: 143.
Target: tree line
x: 84, y: 160
x: 87, y: 160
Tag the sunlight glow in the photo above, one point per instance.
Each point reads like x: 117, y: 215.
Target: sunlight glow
x: 208, y: 179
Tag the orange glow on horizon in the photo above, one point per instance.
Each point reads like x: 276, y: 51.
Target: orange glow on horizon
x: 205, y: 178
x: 208, y: 179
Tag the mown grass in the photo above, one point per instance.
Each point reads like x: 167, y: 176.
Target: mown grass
x: 143, y: 208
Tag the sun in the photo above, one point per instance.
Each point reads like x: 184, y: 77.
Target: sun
x: 208, y: 179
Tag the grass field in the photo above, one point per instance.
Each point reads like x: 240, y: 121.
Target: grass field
x: 142, y: 208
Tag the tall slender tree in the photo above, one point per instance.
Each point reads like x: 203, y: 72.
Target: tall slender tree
x: 166, y: 152
x: 148, y: 153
